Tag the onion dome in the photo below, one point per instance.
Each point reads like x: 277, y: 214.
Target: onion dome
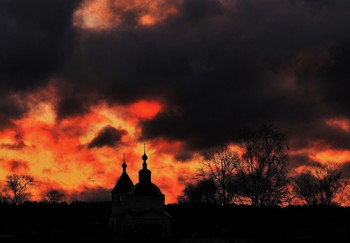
x: 144, y: 157
x: 145, y: 189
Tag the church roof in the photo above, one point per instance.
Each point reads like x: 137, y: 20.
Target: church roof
x: 145, y: 189
x: 124, y: 184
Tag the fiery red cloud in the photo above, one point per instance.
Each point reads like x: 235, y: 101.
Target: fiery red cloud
x: 207, y: 59
x: 58, y: 155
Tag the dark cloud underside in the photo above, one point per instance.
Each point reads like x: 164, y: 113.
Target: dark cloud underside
x: 218, y: 67
x: 36, y: 37
x: 108, y: 136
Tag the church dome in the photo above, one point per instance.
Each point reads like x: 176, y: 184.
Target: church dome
x: 145, y: 189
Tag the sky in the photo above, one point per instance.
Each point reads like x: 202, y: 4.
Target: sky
x: 84, y: 81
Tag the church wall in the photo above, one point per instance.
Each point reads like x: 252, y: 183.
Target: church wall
x: 125, y: 222
x: 120, y: 202
x: 152, y: 218
x: 142, y: 203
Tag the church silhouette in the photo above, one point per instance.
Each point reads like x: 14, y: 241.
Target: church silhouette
x: 140, y: 207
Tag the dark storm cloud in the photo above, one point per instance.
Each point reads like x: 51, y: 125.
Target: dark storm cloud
x: 108, y: 136
x: 10, y: 108
x: 317, y: 5
x: 183, y: 157
x: 326, y: 135
x: 36, y: 36
x: 88, y: 193
x: 71, y: 103
x: 218, y: 67
x: 221, y: 68
x: 300, y: 160
x: 240, y: 75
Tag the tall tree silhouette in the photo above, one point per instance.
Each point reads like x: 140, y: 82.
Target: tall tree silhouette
x: 220, y: 167
x: 53, y: 196
x: 322, y: 186
x: 15, y: 190
x: 203, y: 191
x: 263, y: 167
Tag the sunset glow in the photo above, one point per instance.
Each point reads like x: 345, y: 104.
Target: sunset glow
x: 59, y: 154
x: 83, y: 82
x: 145, y: 109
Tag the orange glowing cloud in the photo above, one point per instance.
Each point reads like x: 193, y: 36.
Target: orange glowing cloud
x: 96, y: 15
x: 108, y: 14
x: 339, y: 156
x: 340, y: 123
x: 56, y: 152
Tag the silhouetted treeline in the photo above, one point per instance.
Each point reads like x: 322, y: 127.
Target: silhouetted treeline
x: 55, y: 222
x: 257, y: 173
x: 267, y: 224
x: 88, y: 222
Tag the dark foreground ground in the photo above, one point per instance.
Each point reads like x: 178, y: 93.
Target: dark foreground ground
x: 88, y: 222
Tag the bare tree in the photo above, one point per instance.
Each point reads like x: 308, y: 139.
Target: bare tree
x: 16, y: 186
x: 203, y: 191
x: 305, y: 188
x: 220, y: 168
x: 322, y: 186
x: 263, y: 168
x: 53, y: 196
